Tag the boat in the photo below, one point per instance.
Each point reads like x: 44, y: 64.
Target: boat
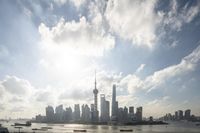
x: 46, y: 127
x: 39, y: 129
x: 28, y: 123
x: 126, y: 130
x: 80, y: 130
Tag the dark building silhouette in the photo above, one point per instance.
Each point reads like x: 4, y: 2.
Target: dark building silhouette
x: 68, y: 114
x: 49, y: 114
x: 114, y: 104
x: 139, y: 114
x: 187, y: 114
x: 105, y: 111
x: 176, y: 115
x: 59, y: 115
x: 125, y: 114
x: 131, y: 114
x: 76, y: 114
x: 85, y: 116
x: 95, y: 112
x: 180, y: 115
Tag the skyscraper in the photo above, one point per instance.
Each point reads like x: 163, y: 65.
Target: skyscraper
x: 187, y: 114
x: 59, y: 113
x: 68, y: 114
x: 176, y: 115
x: 85, y: 117
x: 180, y: 115
x: 49, y: 114
x: 114, y: 104
x: 76, y: 112
x: 105, y: 115
x: 131, y: 110
x: 139, y: 114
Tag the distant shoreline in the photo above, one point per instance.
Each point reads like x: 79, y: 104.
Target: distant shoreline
x: 110, y: 123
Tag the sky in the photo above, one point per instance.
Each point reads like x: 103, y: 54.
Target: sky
x: 49, y: 51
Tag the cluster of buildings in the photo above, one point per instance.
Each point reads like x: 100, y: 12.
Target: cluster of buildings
x: 179, y: 115
x: 86, y: 114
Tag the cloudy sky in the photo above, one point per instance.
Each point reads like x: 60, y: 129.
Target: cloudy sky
x: 49, y: 51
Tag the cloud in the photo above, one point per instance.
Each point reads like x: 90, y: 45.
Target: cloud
x: 132, y: 83
x: 17, y: 86
x: 134, y: 20
x: 140, y: 68
x: 151, y: 82
x: 77, y: 37
x: 2, y: 107
x: 178, y: 16
x: 77, y: 3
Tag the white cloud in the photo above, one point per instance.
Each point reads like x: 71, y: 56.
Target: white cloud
x: 176, y: 17
x: 131, y: 83
x: 140, y: 68
x: 134, y: 20
x: 77, y: 37
x: 15, y: 85
x: 187, y: 64
x: 77, y: 3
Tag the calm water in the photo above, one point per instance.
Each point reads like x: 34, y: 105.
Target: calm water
x: 174, y: 127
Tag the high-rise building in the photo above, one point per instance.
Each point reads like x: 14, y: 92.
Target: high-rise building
x: 131, y: 110
x: 85, y: 117
x: 131, y: 114
x: 120, y: 115
x: 139, y: 114
x: 105, y: 115
x: 49, y: 114
x: 95, y: 116
x: 180, y: 115
x: 76, y: 112
x: 187, y: 114
x: 176, y: 115
x: 59, y: 113
x: 125, y: 114
x: 114, y: 104
x: 68, y: 114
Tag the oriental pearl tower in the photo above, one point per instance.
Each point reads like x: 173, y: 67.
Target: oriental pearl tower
x: 95, y: 91
x: 95, y: 113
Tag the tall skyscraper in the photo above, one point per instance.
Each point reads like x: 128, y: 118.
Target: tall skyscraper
x: 125, y: 114
x: 76, y: 112
x: 96, y: 112
x: 180, y: 115
x: 85, y: 117
x: 68, y: 114
x: 114, y: 104
x: 176, y: 115
x: 187, y: 114
x: 49, y: 114
x: 105, y: 115
x: 139, y: 114
x: 59, y: 113
x: 131, y: 110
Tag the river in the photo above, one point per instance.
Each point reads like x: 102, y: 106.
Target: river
x: 173, y: 127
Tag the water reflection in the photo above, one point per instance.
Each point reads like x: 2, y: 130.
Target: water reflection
x: 63, y: 128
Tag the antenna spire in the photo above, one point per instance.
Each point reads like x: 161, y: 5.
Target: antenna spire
x: 95, y: 80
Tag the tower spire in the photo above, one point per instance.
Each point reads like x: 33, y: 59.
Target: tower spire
x: 95, y: 82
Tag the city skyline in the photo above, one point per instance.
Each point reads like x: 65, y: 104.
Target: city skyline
x: 107, y: 114
x: 49, y: 51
